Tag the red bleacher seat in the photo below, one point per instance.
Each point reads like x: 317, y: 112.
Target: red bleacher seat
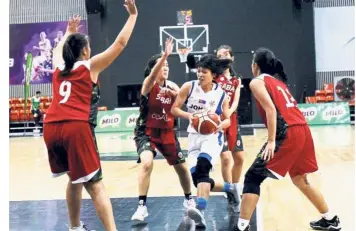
x: 320, y: 93
x: 102, y: 108
x: 14, y: 116
x: 15, y: 101
x: 320, y: 99
x: 23, y: 116
x: 20, y: 106
x: 45, y: 99
x: 310, y: 99
x: 46, y: 105
x: 329, y: 98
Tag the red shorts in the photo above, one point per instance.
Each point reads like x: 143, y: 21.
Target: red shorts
x: 164, y: 140
x: 72, y: 149
x: 295, y: 154
x: 232, y: 136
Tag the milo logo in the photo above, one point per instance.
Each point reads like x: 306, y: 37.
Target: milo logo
x: 110, y: 121
x: 309, y: 113
x: 334, y: 112
x: 131, y: 120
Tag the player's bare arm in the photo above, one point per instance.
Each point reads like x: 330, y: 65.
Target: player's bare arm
x: 101, y: 61
x: 235, y: 103
x: 226, y: 115
x: 72, y: 27
x: 151, y: 79
x: 178, y: 103
x: 259, y: 90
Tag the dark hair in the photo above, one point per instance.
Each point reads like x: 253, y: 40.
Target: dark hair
x: 151, y: 63
x: 72, y: 50
x: 215, y: 65
x: 280, y: 71
x: 266, y: 60
x: 38, y: 92
x: 229, y: 48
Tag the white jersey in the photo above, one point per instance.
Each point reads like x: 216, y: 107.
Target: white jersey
x: 199, y: 101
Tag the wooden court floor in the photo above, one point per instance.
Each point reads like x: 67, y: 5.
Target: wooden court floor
x: 284, y: 207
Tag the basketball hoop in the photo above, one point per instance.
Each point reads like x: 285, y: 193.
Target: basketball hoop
x: 183, y: 53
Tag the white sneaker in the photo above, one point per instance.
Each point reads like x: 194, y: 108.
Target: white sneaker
x: 140, y: 214
x: 82, y: 227
x: 197, y: 216
x: 189, y: 203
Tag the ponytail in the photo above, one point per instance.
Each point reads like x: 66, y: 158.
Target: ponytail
x: 68, y: 58
x: 279, y: 71
x: 72, y: 51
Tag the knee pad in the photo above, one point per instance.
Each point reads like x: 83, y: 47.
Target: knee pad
x: 252, y: 182
x: 202, y: 171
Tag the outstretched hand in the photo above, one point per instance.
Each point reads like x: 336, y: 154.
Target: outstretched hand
x: 74, y: 24
x: 131, y: 7
x: 169, y: 46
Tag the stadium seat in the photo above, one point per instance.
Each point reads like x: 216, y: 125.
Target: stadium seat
x: 46, y: 106
x: 310, y: 99
x: 320, y: 99
x: 45, y: 99
x: 320, y: 93
x: 22, y: 115
x: 329, y: 98
x: 15, y: 101
x: 20, y: 106
x: 14, y: 116
x: 102, y: 108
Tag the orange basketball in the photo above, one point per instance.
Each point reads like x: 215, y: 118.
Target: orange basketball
x: 205, y: 123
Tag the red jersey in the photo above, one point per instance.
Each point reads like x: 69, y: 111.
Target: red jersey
x: 229, y: 86
x: 288, y: 113
x: 155, y: 109
x: 75, y: 97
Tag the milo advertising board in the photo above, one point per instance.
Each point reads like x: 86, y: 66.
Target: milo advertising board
x: 122, y: 120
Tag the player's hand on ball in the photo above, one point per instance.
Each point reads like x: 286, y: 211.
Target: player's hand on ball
x: 169, y: 47
x: 268, y: 152
x: 131, y: 7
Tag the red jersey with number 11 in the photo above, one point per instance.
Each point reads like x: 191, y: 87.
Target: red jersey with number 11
x: 287, y: 111
x: 75, y: 97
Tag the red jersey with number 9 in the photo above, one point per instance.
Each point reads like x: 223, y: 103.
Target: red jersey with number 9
x: 75, y: 97
x: 287, y: 111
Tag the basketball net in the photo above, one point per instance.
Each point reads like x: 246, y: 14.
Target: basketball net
x: 183, y: 53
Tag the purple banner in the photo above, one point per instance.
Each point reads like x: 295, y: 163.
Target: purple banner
x: 38, y: 39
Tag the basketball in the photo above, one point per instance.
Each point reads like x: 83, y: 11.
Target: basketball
x: 205, y: 123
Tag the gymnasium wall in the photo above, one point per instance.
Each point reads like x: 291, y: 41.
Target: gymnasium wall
x: 36, y: 11
x: 245, y: 25
x: 335, y: 39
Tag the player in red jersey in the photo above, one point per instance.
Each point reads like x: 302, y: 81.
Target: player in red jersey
x: 289, y: 148
x: 155, y: 129
x: 233, y: 145
x: 71, y: 118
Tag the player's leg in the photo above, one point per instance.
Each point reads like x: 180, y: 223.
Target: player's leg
x: 74, y: 201
x: 146, y: 152
x: 238, y: 157
x: 174, y: 156
x: 85, y: 168
x: 226, y: 163
x: 285, y: 154
x: 306, y: 163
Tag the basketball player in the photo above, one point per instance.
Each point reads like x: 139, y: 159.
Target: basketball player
x: 289, y: 147
x: 231, y: 84
x: 71, y: 118
x: 155, y: 129
x: 201, y: 95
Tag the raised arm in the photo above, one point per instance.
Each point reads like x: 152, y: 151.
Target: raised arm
x: 150, y: 80
x: 72, y: 27
x: 178, y: 103
x: 101, y: 61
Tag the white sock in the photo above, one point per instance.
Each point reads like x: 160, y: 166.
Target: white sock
x: 239, y: 187
x: 328, y: 216
x: 242, y: 224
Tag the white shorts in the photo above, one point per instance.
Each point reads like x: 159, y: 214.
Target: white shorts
x: 209, y: 146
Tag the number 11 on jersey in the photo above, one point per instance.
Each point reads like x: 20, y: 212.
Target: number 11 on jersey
x: 64, y: 90
x: 287, y: 96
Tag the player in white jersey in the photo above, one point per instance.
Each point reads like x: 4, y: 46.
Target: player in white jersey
x: 203, y: 151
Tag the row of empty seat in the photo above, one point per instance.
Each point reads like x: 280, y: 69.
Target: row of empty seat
x: 325, y: 95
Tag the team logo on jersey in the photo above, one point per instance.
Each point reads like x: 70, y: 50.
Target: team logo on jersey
x: 212, y: 103
x: 110, y: 121
x: 163, y: 117
x: 201, y: 101
x: 196, y: 107
x: 131, y: 120
x: 164, y: 100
